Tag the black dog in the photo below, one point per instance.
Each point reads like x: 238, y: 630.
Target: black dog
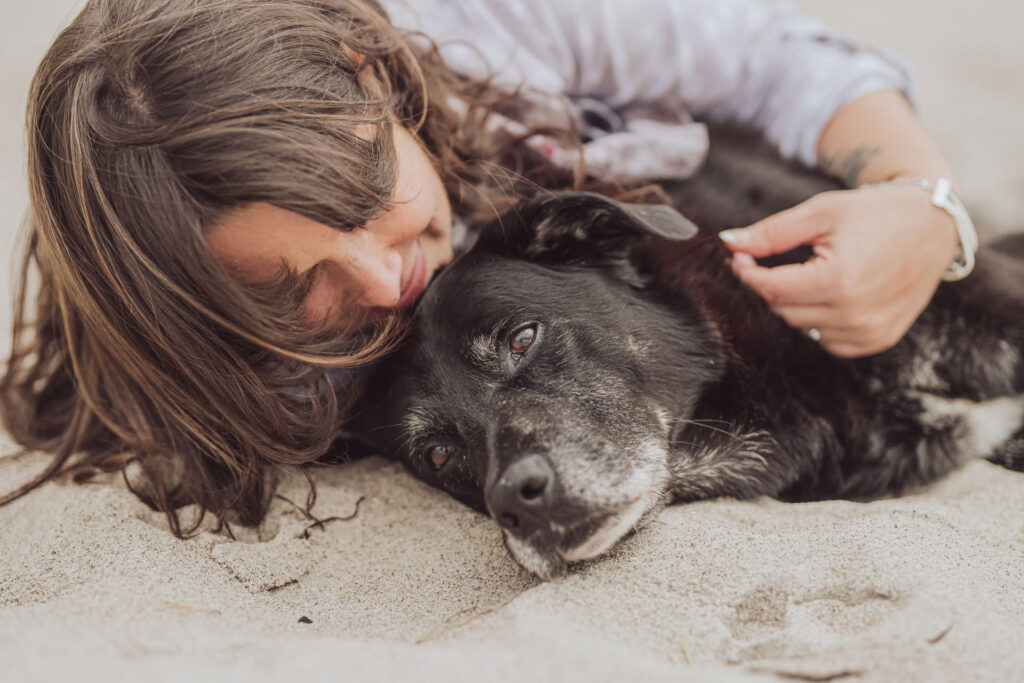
x: 588, y: 362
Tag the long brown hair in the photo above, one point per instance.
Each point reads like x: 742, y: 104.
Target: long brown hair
x: 148, y: 120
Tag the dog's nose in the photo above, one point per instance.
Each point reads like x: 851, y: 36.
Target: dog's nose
x: 520, y: 497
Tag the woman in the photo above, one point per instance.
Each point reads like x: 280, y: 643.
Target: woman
x: 234, y: 200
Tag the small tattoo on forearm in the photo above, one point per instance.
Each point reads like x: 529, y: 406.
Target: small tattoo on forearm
x: 848, y: 167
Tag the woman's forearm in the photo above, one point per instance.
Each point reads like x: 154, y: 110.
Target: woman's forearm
x: 876, y: 138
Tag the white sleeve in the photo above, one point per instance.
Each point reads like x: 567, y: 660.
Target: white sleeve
x: 769, y: 66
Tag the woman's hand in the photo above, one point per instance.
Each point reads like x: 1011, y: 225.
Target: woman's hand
x: 879, y: 254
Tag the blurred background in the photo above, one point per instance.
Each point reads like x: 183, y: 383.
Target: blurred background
x: 969, y: 58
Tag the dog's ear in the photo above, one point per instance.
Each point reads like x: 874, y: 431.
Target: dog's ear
x: 582, y: 228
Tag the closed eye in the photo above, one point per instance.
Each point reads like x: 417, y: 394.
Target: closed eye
x: 309, y: 279
x: 323, y: 301
x: 310, y: 294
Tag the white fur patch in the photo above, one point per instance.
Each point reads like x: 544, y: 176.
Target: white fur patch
x: 638, y: 347
x: 665, y: 420
x: 988, y: 424
x: 418, y: 422
x: 531, y: 560
x: 481, y: 350
x: 710, y: 469
x: 649, y: 494
x: 611, y: 532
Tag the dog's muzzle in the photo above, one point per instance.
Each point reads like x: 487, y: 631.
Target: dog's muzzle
x: 520, y: 498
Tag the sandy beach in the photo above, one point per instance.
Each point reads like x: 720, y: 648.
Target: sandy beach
x: 407, y: 584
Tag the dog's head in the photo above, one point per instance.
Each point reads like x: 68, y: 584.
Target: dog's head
x: 541, y: 385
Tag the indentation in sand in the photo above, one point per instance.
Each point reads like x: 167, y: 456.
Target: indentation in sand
x: 779, y: 618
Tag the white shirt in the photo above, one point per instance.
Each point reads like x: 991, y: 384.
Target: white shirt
x: 645, y: 66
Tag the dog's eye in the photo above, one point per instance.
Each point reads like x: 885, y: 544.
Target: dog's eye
x: 522, y: 339
x: 438, y: 456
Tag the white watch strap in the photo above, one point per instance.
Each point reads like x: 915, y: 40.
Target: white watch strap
x: 946, y: 199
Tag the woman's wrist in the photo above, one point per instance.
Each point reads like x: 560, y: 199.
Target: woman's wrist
x: 877, y: 140
x: 934, y: 229
x: 942, y: 195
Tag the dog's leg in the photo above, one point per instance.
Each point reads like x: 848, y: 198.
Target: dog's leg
x: 963, y: 364
x: 739, y: 447
x: 969, y: 342
x: 907, y: 442
x: 722, y: 463
x: 859, y: 447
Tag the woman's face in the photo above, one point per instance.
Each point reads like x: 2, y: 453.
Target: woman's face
x: 382, y: 267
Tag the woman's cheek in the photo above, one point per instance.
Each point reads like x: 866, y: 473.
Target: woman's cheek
x: 320, y: 302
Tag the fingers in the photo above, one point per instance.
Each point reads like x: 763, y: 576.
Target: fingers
x: 800, y: 284
x: 820, y: 323
x: 780, y: 232
x: 806, y: 296
x: 824, y: 318
x: 837, y: 334
x: 851, y: 350
x: 876, y: 264
x: 839, y: 340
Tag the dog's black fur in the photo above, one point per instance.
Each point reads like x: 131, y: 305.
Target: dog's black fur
x: 588, y: 362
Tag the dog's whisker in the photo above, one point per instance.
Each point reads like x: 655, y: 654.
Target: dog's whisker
x: 703, y: 423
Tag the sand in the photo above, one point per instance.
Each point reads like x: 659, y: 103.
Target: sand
x: 414, y: 586
x: 924, y: 587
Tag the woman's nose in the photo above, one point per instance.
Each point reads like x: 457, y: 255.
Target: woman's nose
x: 374, y: 271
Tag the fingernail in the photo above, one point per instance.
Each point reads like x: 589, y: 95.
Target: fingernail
x: 730, y: 236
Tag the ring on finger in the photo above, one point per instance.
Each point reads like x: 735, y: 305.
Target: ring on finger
x: 814, y: 334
